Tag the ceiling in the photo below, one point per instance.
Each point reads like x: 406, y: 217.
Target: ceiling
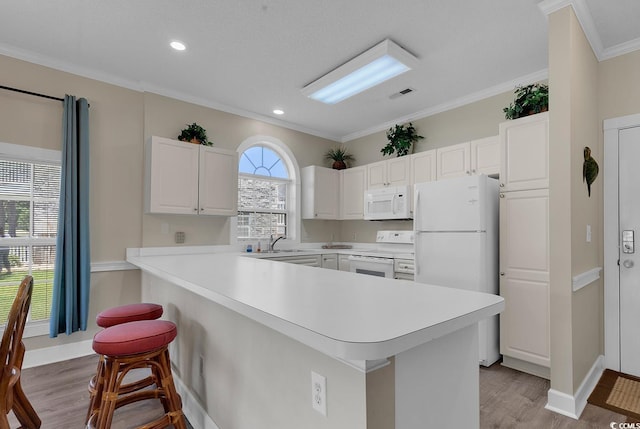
x: 252, y: 56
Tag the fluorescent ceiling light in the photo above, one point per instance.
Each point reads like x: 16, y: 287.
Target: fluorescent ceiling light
x: 371, y: 68
x: 278, y: 112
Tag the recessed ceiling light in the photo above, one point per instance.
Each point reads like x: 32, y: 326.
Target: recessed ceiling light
x: 178, y: 46
x: 278, y: 112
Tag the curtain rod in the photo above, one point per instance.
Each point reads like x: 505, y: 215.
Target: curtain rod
x: 31, y: 93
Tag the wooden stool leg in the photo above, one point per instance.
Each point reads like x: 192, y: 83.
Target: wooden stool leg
x: 95, y: 390
x: 109, y: 394
x: 174, y: 403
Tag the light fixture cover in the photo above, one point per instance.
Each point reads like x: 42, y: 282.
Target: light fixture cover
x: 374, y: 66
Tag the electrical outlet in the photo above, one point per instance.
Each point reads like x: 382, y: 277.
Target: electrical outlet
x: 319, y: 393
x: 179, y: 237
x: 588, y: 233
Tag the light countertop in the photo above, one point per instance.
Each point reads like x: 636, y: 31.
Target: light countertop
x: 346, y: 315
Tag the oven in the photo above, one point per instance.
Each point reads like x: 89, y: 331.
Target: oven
x: 371, y: 265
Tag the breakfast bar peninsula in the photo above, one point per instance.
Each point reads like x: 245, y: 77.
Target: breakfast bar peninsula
x: 393, y: 353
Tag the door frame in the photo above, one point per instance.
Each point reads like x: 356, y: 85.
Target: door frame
x: 612, y: 129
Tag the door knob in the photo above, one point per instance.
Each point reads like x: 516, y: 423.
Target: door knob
x: 628, y: 263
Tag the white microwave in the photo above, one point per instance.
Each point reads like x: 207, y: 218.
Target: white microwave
x: 392, y: 202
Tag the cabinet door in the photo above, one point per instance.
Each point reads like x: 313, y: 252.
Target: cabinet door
x: 352, y: 185
x: 320, y: 192
x: 398, y: 170
x: 377, y: 175
x: 423, y: 167
x: 485, y: 156
x: 453, y: 161
x: 524, y: 275
x: 524, y: 153
x: 330, y: 261
x: 344, y: 263
x: 171, y: 173
x: 218, y: 189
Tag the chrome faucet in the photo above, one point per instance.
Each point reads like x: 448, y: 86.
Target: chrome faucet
x: 273, y: 242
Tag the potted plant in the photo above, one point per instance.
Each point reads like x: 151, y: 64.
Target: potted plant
x: 530, y: 99
x: 194, y: 133
x: 339, y: 157
x: 401, y: 137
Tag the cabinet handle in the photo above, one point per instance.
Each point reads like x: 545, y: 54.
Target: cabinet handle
x: 468, y: 172
x: 501, y: 195
x: 195, y: 209
x: 473, y: 171
x: 502, y: 273
x: 502, y: 185
x: 201, y: 208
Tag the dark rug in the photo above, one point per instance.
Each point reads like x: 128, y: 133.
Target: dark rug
x: 618, y: 392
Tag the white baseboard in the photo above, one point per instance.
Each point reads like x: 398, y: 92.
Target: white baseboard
x: 192, y: 409
x: 47, y: 355
x: 572, y: 406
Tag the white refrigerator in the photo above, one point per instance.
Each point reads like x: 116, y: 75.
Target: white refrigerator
x: 456, y: 242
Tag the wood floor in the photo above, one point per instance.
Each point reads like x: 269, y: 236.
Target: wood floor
x: 508, y: 399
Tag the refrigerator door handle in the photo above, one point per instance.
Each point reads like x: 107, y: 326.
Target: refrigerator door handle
x: 416, y: 212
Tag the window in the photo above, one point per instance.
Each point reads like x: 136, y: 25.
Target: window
x: 262, y: 194
x: 29, y: 198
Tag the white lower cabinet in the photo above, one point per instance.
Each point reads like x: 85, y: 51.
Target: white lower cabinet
x: 330, y: 261
x: 524, y: 280
x: 343, y: 263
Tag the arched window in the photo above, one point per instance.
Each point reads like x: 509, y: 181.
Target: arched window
x: 265, y: 191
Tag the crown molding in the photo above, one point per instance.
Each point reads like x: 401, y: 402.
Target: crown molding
x: 449, y: 105
x: 588, y: 26
x: 138, y: 86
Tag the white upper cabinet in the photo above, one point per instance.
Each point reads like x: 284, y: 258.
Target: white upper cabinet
x: 218, y: 186
x: 390, y: 172
x: 320, y: 193
x: 423, y: 167
x: 453, y: 161
x: 485, y: 156
x: 524, y: 146
x: 352, y: 187
x: 184, y: 178
x: 480, y: 156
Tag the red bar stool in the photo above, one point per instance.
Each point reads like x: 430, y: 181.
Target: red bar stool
x: 116, y: 316
x: 128, y: 313
x: 131, y: 345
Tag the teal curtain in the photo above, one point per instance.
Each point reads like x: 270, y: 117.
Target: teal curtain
x: 72, y: 275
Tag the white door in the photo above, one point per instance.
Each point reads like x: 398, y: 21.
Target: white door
x: 629, y: 212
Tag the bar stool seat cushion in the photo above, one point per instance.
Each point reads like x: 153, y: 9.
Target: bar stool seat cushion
x: 134, y: 337
x: 128, y: 313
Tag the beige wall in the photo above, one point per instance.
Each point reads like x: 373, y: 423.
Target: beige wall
x: 116, y: 160
x: 576, y: 323
x: 166, y: 117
